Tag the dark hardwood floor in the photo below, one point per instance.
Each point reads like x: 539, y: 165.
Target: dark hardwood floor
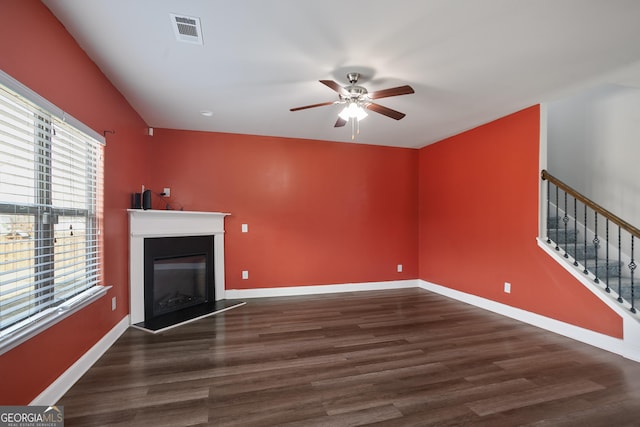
x: 390, y: 358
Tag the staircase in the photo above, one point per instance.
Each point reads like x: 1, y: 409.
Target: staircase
x: 599, y: 243
x: 613, y: 274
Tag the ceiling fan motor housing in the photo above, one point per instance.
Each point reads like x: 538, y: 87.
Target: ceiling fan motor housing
x: 355, y: 93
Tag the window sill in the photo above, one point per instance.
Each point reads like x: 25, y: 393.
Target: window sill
x: 16, y: 335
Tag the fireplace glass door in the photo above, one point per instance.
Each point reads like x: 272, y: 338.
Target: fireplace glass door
x: 178, y: 274
x: 179, y: 282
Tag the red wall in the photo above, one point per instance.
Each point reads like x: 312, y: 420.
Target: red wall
x: 318, y: 212
x: 36, y: 50
x: 479, y: 222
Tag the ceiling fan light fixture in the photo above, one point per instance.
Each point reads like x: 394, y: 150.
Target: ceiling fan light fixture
x: 353, y: 111
x: 344, y: 114
x: 361, y: 113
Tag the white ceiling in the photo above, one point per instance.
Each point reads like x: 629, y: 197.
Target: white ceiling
x: 469, y: 61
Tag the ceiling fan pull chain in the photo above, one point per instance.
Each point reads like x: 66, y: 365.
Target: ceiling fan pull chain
x: 353, y: 128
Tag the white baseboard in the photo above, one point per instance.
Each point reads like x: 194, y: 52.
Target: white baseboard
x: 320, y: 289
x: 605, y: 342
x: 63, y: 383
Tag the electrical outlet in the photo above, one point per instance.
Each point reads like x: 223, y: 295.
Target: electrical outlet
x: 245, y: 274
x: 507, y: 287
x: 167, y: 192
x: 399, y: 268
x: 113, y: 304
x: 245, y: 228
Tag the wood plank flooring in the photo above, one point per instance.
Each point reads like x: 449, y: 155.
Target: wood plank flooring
x: 389, y: 358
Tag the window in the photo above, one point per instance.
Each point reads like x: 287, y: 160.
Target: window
x: 50, y: 208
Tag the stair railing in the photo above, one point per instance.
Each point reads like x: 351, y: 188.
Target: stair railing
x: 568, y: 214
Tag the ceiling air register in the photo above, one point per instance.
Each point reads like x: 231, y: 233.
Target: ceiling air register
x: 186, y: 28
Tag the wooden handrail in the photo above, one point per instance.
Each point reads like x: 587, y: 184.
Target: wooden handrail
x: 596, y: 207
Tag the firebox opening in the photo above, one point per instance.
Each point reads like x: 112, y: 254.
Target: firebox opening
x: 178, y: 277
x: 179, y: 282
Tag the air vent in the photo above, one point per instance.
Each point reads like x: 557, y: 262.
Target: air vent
x: 186, y: 28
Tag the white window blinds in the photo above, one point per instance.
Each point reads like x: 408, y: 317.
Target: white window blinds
x: 50, y: 206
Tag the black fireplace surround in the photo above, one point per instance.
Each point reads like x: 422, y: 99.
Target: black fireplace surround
x: 179, y: 281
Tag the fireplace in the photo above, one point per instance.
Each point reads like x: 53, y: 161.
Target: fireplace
x: 176, y: 267
x: 178, y: 274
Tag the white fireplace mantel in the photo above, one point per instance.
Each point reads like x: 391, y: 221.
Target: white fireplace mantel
x: 166, y: 223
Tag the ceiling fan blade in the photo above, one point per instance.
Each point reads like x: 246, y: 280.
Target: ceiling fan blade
x: 394, y: 91
x: 385, y: 111
x: 340, y: 122
x: 313, y: 106
x: 335, y: 86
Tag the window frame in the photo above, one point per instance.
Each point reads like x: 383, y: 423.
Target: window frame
x: 44, y: 221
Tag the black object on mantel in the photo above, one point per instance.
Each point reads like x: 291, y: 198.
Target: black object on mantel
x: 136, y: 201
x: 141, y: 200
x: 146, y: 199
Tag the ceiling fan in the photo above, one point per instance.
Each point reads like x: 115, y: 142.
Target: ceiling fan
x: 357, y: 99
